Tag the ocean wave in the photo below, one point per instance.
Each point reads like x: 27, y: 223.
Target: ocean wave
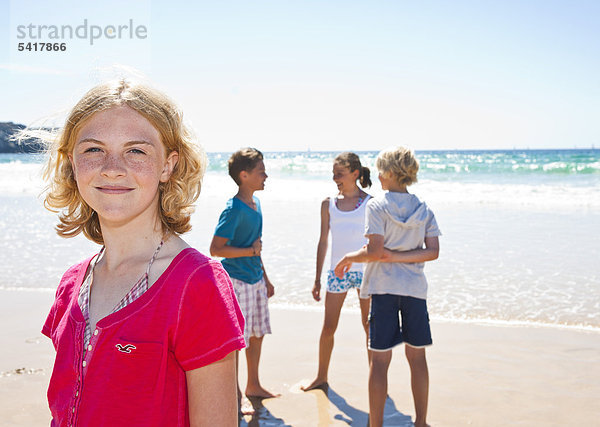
x: 556, y: 195
x: 486, y: 321
x: 450, y: 164
x: 18, y: 177
x: 463, y: 319
x: 561, y: 162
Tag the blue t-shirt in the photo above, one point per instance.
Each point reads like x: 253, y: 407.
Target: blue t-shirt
x: 242, y: 225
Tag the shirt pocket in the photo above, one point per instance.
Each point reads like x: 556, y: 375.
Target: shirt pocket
x: 127, y: 381
x: 137, y: 366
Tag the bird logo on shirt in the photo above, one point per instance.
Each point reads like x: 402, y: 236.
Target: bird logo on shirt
x: 125, y: 348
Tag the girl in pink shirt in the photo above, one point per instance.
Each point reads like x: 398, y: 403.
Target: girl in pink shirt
x: 145, y: 331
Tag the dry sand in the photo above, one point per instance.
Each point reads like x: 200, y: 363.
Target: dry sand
x: 481, y: 375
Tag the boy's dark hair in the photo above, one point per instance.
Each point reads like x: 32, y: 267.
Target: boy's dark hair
x: 245, y: 159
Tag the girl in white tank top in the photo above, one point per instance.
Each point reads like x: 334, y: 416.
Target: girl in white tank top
x: 344, y: 216
x: 347, y: 231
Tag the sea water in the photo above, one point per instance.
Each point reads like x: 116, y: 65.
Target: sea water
x: 519, y: 245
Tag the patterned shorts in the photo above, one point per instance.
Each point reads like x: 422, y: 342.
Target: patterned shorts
x: 351, y: 280
x: 253, y: 302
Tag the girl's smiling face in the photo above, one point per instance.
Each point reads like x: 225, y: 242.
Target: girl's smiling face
x: 344, y: 179
x: 118, y: 161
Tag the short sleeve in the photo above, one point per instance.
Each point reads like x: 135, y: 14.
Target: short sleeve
x: 228, y: 222
x: 432, y: 229
x: 259, y: 210
x: 50, y: 322
x: 210, y: 323
x: 58, y: 306
x: 64, y: 291
x: 374, y: 221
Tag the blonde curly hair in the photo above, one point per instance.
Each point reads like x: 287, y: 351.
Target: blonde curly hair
x: 400, y: 163
x: 176, y: 196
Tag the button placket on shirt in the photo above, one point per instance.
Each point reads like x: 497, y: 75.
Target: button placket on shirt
x: 86, y: 355
x: 78, y: 356
x: 89, y: 348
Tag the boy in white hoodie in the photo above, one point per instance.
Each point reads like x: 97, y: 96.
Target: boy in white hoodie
x: 403, y: 234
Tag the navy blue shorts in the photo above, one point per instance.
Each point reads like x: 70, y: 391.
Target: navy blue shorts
x: 385, y: 329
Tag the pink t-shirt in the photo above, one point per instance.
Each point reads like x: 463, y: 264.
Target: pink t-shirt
x: 134, y: 373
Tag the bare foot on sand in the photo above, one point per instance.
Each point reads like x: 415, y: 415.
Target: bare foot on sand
x: 260, y: 392
x: 244, y: 405
x: 317, y: 383
x: 245, y: 408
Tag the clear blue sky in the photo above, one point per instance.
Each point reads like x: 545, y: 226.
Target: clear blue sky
x: 330, y: 75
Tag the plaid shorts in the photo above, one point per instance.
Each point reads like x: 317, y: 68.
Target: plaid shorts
x: 253, y: 302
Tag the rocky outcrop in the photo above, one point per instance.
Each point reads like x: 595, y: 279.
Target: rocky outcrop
x: 9, y: 145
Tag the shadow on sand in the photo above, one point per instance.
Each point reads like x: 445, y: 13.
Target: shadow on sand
x: 349, y: 414
x: 355, y: 417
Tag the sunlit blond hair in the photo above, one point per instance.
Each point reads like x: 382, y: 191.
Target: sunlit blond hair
x: 399, y: 163
x: 177, y: 195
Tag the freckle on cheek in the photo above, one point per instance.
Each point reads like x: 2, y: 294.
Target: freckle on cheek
x: 84, y: 165
x: 141, y: 168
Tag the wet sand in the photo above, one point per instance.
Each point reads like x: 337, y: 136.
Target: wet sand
x: 481, y: 375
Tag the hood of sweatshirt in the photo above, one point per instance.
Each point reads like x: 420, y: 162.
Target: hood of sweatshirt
x: 405, y: 209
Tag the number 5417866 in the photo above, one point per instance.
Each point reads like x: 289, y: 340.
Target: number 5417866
x: 39, y: 47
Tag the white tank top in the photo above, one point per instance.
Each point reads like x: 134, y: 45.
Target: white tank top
x: 347, y: 232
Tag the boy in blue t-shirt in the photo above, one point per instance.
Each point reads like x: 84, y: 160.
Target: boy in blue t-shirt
x: 237, y: 240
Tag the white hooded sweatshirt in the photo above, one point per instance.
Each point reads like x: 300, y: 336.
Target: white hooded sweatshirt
x: 404, y: 222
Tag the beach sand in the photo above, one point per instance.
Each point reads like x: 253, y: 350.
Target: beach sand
x: 481, y: 375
